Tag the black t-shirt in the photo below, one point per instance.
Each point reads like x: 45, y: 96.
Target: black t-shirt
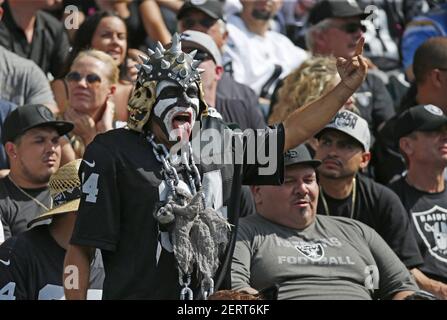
x: 374, y: 102
x: 135, y: 28
x: 239, y: 112
x: 380, y: 208
x: 123, y: 183
x: 31, y: 268
x: 16, y: 209
x: 49, y: 46
x: 428, y: 215
x: 229, y: 88
x: 388, y: 162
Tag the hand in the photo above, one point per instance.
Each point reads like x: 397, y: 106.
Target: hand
x: 106, y: 121
x: 133, y: 59
x: 353, y: 71
x: 440, y: 290
x: 249, y: 290
x: 84, y: 125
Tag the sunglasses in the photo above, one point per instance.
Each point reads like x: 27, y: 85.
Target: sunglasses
x: 189, y: 23
x: 352, y: 27
x: 75, y: 76
x: 202, y: 56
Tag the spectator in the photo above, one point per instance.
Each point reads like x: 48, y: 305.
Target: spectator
x: 106, y: 32
x: 143, y: 19
x: 430, y: 69
x: 343, y: 149
x: 231, y: 110
x: 32, y: 139
x: 335, y: 29
x: 208, y: 17
x: 419, y: 30
x: 91, y: 83
x: 422, y: 135
x: 35, y: 258
x: 312, y: 256
x: 120, y: 164
x: 259, y: 56
x: 33, y: 34
x: 21, y: 81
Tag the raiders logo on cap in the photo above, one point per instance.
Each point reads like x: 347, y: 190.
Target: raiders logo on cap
x: 433, y: 110
x: 45, y: 113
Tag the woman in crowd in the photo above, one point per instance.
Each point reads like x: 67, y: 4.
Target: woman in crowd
x: 91, y: 82
x: 106, y: 32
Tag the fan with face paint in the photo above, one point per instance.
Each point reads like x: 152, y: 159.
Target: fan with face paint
x: 168, y: 92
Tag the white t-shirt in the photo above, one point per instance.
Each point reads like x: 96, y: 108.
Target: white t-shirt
x: 254, y: 57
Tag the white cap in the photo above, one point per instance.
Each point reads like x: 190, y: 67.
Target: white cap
x: 351, y: 124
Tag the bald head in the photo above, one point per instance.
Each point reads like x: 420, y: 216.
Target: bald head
x: 432, y: 54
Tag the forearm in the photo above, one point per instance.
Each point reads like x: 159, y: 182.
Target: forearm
x: 153, y: 22
x: 174, y: 5
x: 436, y: 288
x: 77, y: 272
x: 402, y: 295
x: 305, y: 122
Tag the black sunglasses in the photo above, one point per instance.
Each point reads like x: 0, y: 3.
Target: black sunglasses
x: 75, y: 76
x: 189, y: 23
x: 202, y: 56
x: 352, y: 27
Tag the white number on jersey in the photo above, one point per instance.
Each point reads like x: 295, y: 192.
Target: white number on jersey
x: 7, y: 292
x: 90, y: 187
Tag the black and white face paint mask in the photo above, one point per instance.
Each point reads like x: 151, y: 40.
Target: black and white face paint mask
x: 176, y: 109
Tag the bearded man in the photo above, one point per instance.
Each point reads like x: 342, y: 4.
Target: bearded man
x: 163, y: 214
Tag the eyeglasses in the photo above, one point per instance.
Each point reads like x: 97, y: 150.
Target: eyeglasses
x: 189, y: 23
x: 75, y: 76
x: 352, y: 27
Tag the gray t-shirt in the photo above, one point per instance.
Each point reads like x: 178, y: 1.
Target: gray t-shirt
x: 334, y: 258
x: 22, y: 81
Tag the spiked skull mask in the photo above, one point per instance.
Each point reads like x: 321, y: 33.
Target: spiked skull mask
x: 168, y: 89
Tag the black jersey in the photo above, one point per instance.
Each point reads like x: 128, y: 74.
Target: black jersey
x: 380, y: 208
x: 428, y: 214
x: 122, y: 186
x: 17, y: 209
x: 31, y: 268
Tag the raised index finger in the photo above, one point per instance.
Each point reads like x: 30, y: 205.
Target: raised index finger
x: 359, y: 47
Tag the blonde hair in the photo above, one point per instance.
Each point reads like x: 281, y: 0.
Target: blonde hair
x: 113, y: 74
x: 304, y: 85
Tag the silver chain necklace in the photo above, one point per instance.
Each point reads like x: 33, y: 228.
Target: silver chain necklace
x: 171, y: 178
x: 170, y: 173
x: 28, y: 195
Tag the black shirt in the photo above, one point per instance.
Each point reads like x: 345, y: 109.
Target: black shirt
x: 17, y: 209
x: 31, y: 267
x: 380, y: 208
x: 374, y: 103
x: 428, y: 215
x: 239, y: 112
x: 122, y: 185
x: 227, y: 87
x: 49, y: 46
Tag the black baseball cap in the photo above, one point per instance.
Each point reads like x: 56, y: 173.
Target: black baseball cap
x: 212, y: 8
x: 335, y: 9
x: 32, y: 116
x: 300, y: 155
x: 419, y: 118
